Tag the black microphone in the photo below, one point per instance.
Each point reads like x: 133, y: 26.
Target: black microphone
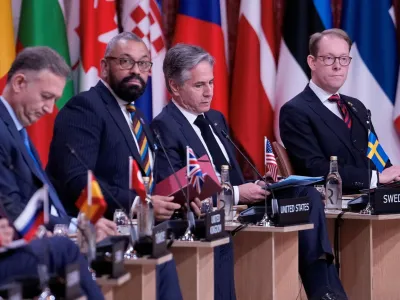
x: 369, y: 161
x: 133, y: 231
x: 190, y: 213
x: 242, y: 154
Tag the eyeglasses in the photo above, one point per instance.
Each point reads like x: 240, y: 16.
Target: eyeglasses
x: 330, y: 60
x: 127, y: 63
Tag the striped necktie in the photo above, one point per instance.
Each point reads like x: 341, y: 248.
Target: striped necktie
x: 343, y: 109
x: 143, y: 144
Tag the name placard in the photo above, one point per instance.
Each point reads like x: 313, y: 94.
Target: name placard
x: 215, y: 225
x: 160, y: 239
x: 291, y: 211
x: 118, y: 259
x: 386, y: 201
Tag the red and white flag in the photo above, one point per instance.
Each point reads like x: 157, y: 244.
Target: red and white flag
x: 254, y: 74
x: 97, y: 26
x: 136, y: 179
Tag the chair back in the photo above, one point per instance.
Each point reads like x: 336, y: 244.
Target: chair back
x: 284, y: 166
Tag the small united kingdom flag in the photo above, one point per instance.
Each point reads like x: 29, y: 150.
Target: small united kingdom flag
x: 194, y: 173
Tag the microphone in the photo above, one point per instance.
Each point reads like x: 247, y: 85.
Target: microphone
x: 369, y: 161
x: 190, y: 213
x: 242, y: 154
x: 133, y: 235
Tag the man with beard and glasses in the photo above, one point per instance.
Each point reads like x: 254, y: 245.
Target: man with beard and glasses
x: 99, y: 129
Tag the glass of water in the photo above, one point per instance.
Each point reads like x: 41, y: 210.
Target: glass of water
x: 121, y: 220
x: 60, y: 230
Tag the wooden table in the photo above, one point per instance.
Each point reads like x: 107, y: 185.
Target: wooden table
x: 141, y: 283
x: 369, y: 255
x: 110, y: 286
x: 195, y: 266
x: 266, y: 261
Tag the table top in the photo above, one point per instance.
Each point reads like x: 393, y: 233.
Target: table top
x: 106, y: 281
x: 148, y: 260
x: 358, y: 216
x: 229, y: 226
x: 200, y: 244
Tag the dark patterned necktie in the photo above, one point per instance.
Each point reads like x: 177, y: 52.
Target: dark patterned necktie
x: 143, y: 144
x: 342, y: 108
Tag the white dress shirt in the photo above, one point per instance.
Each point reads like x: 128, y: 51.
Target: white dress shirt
x: 191, y: 117
x: 333, y: 107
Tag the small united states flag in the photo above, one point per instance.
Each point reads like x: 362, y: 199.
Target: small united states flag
x: 194, y: 173
x: 270, y: 161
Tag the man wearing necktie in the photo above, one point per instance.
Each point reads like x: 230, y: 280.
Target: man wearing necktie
x: 104, y: 128
x: 319, y: 122
x: 35, y: 81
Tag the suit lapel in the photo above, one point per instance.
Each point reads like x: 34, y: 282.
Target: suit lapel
x: 116, y: 113
x: 355, y: 112
x: 337, y: 125
x: 187, y: 130
x: 5, y: 116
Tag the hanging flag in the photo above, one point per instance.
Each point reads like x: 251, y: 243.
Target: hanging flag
x: 98, y: 25
x: 7, y: 49
x: 254, y: 71
x: 301, y: 19
x: 199, y: 23
x: 194, y: 173
x: 373, y: 74
x: 376, y: 153
x: 136, y: 180
x: 143, y: 17
x: 270, y: 161
x: 42, y: 24
x: 35, y: 214
x: 91, y: 202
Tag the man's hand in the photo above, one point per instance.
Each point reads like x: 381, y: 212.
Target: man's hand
x: 251, y: 193
x: 164, y: 207
x: 390, y: 174
x: 105, y: 228
x: 196, y: 207
x: 6, y: 232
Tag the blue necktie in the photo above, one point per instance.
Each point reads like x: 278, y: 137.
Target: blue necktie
x: 55, y: 201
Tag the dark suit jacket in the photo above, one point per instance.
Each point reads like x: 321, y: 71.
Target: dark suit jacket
x: 311, y: 134
x: 93, y: 124
x: 19, y: 178
x: 176, y: 133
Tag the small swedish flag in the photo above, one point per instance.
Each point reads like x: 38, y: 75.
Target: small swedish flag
x: 376, y: 153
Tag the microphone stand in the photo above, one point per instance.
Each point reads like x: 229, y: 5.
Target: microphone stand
x: 369, y: 210
x: 188, y: 236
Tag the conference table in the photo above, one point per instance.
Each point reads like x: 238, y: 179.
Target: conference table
x: 369, y: 254
x: 266, y: 261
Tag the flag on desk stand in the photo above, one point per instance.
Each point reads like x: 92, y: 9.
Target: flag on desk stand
x: 91, y: 202
x: 136, y: 180
x: 270, y: 161
x: 36, y: 213
x: 376, y: 153
x: 194, y: 173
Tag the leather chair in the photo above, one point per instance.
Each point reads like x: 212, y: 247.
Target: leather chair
x: 284, y: 166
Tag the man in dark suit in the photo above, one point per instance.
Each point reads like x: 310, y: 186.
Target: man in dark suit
x: 319, y: 122
x: 188, y: 121
x: 99, y: 129
x: 23, y: 262
x: 35, y: 81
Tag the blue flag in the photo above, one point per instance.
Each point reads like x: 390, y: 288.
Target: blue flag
x: 376, y: 153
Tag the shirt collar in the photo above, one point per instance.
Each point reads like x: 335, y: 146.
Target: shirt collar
x: 11, y: 113
x: 121, y: 103
x: 190, y: 116
x: 321, y: 94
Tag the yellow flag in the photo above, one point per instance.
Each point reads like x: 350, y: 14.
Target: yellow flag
x: 7, y: 49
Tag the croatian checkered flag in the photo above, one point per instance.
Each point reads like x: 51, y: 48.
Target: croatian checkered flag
x: 194, y: 173
x: 270, y: 161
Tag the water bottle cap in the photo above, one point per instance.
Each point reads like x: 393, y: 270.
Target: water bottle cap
x: 333, y: 157
x: 224, y: 168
